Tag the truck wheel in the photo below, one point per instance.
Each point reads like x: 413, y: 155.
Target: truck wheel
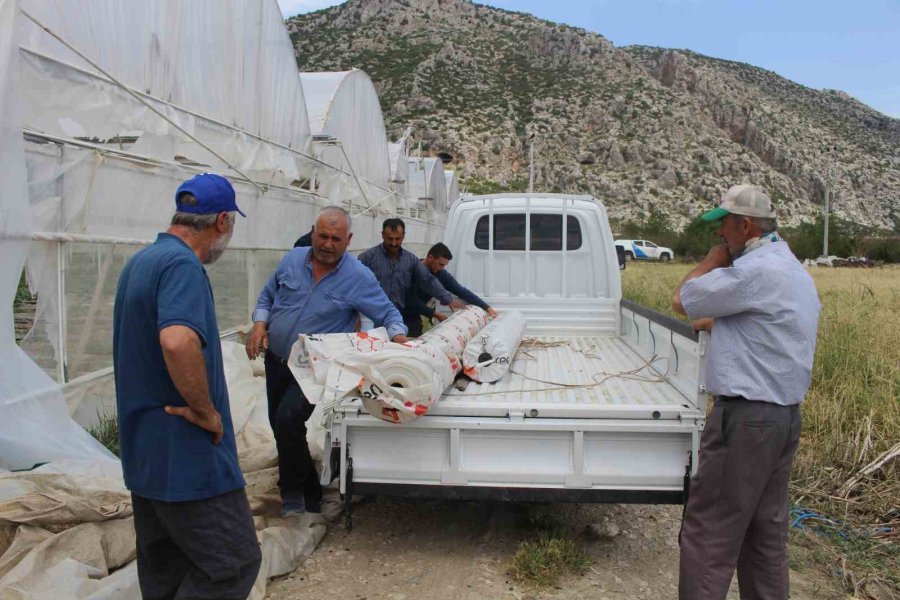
x: 629, y: 255
x: 664, y: 257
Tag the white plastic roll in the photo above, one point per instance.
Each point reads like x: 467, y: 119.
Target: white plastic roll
x: 488, y: 355
x: 397, y: 382
x: 400, y: 385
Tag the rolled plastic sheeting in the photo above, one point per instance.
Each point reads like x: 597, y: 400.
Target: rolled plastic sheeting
x: 397, y: 382
x: 400, y: 386
x: 488, y: 355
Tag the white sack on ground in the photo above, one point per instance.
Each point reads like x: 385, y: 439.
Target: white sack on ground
x: 488, y: 355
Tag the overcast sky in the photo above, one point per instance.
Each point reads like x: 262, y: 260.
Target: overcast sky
x: 853, y: 46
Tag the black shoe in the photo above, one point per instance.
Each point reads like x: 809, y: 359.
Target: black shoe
x: 293, y: 504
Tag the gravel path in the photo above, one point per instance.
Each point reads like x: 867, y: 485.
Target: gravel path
x: 403, y: 550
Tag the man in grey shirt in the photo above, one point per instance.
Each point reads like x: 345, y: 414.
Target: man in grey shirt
x: 394, y: 266
x: 765, y: 312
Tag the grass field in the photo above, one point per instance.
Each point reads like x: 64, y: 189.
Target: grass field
x: 847, y: 467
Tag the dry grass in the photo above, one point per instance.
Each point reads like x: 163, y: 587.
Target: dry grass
x: 851, y: 415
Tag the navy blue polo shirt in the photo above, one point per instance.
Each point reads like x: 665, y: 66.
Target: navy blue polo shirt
x: 164, y: 457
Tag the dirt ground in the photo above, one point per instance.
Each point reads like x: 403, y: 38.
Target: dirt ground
x: 406, y: 550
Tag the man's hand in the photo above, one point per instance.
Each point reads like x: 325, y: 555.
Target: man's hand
x: 210, y: 421
x: 258, y: 340
x: 705, y: 324
x: 399, y: 339
x: 456, y: 304
x: 719, y: 256
x: 492, y: 312
x: 440, y: 316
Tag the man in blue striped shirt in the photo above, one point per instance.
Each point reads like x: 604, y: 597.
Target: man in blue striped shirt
x: 313, y: 290
x: 395, y: 267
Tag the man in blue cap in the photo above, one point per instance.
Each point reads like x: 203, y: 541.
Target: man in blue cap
x: 195, y: 534
x: 758, y: 367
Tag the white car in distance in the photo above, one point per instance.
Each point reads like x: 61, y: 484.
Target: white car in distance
x: 645, y: 250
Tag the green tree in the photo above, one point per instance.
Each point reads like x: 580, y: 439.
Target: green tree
x: 696, y: 239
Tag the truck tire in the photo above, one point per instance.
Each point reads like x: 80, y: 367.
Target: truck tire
x: 664, y: 257
x: 629, y: 256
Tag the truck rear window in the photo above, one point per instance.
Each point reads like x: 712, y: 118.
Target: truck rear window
x: 546, y: 232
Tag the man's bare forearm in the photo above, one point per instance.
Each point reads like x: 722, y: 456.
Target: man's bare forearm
x: 184, y: 360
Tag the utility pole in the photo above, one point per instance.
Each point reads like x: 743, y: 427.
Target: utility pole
x: 829, y: 180
x: 825, y: 236
x: 531, y: 166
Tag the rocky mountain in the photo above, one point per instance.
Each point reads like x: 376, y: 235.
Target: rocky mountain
x: 640, y: 128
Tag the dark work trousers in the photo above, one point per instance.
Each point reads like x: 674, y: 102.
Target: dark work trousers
x: 737, y: 512
x: 196, y: 549
x: 413, y: 324
x: 288, y: 412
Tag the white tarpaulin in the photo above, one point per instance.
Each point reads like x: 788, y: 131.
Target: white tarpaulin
x: 489, y: 354
x: 66, y: 528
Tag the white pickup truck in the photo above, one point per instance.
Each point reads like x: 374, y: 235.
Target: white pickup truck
x: 604, y: 401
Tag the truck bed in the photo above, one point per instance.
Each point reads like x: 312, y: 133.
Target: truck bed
x: 578, y: 377
x: 580, y: 418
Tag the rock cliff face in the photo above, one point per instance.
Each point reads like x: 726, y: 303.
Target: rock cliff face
x: 640, y: 128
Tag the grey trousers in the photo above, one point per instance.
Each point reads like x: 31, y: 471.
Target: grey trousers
x: 737, y: 512
x: 198, y: 549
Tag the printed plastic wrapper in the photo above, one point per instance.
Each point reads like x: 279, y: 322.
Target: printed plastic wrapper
x: 489, y: 354
x: 397, y: 382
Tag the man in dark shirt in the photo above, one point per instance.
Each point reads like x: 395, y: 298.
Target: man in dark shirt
x: 394, y: 267
x: 194, y: 531
x: 305, y: 240
x: 436, y: 261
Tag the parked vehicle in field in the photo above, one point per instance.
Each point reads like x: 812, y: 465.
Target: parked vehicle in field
x: 645, y: 250
x: 603, y: 403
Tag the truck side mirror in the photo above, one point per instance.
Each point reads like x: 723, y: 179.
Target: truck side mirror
x: 620, y: 255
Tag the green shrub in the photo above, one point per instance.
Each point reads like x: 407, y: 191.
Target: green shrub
x: 544, y: 561
x: 106, y: 431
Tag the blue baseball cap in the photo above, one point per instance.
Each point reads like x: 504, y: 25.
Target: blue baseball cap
x: 213, y: 192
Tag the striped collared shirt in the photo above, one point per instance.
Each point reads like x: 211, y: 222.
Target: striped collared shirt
x: 766, y: 313
x: 396, y: 276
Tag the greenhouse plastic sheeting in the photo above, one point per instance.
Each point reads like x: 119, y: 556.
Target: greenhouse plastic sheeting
x: 35, y: 426
x: 399, y: 170
x: 344, y: 106
x: 218, y: 68
x: 489, y: 354
x: 66, y: 528
x: 427, y: 180
x: 452, y: 187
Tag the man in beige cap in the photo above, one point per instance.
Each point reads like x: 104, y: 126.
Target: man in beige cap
x: 758, y: 368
